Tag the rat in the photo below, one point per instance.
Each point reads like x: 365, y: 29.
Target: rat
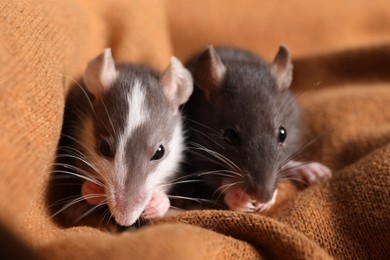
x: 244, y: 130
x: 122, y: 142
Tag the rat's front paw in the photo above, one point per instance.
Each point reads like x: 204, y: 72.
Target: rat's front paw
x: 236, y: 199
x: 309, y: 173
x: 157, y: 207
x: 93, y: 193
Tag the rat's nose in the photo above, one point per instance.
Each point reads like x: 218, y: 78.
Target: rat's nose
x: 262, y: 194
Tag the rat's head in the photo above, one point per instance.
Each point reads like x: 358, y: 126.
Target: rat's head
x: 251, y: 117
x: 133, y: 135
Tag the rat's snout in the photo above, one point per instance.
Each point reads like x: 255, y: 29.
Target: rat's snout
x: 263, y: 194
x: 243, y: 199
x: 262, y: 181
x: 127, y: 208
x: 260, y: 188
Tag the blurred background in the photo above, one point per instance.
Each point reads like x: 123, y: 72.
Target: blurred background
x: 306, y: 27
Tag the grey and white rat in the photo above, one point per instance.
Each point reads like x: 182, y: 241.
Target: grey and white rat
x: 122, y: 142
x: 244, y: 128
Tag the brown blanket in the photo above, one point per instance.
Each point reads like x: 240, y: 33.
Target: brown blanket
x: 341, y: 52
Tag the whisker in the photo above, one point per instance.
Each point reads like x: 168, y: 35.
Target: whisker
x: 208, y: 137
x: 89, y: 211
x: 176, y: 208
x: 75, y: 201
x: 203, y: 125
x: 208, y: 159
x: 78, y: 142
x: 216, y: 155
x: 64, y: 200
x: 72, y: 150
x: 199, y: 200
x: 297, y: 180
x: 185, y: 177
x: 283, y: 170
x: 225, y: 188
x: 221, y: 173
x: 104, y: 215
x: 299, y: 151
x: 90, y: 164
x: 85, y: 93
x: 91, y: 179
x: 110, y: 120
x: 180, y: 182
x: 77, y: 169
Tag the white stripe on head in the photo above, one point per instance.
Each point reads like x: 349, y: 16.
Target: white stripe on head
x: 137, y: 114
x: 138, y: 111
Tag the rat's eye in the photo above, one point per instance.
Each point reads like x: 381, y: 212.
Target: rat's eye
x: 282, y: 134
x: 158, y: 154
x: 231, y: 136
x: 105, y: 149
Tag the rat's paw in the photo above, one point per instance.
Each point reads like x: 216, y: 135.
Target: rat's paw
x: 94, y: 194
x: 237, y: 200
x: 265, y: 206
x: 157, y: 206
x: 309, y: 173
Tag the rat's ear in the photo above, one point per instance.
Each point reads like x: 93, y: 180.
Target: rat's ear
x: 100, y: 73
x: 281, y: 68
x: 209, y: 72
x: 177, y: 83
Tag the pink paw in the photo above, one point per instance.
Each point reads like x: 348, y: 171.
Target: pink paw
x: 309, y: 173
x: 157, y: 206
x: 236, y: 199
x: 93, y: 193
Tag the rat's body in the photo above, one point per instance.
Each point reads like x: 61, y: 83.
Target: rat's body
x: 121, y: 142
x: 244, y: 127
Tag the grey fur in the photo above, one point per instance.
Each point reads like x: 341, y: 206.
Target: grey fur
x: 249, y: 101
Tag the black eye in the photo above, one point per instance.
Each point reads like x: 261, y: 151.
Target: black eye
x: 158, y: 154
x: 231, y: 136
x: 282, y: 134
x: 105, y: 149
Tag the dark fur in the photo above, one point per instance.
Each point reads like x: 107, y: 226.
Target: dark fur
x: 249, y: 102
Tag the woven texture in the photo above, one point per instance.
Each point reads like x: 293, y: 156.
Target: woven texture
x: 341, y: 56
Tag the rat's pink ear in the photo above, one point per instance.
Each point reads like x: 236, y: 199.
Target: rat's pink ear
x: 209, y: 72
x: 101, y: 73
x: 281, y: 68
x: 177, y: 83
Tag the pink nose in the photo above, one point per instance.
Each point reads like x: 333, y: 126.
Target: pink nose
x: 127, y: 209
x: 124, y: 203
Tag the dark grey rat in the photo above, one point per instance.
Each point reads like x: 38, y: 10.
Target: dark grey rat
x: 121, y: 143
x: 244, y: 128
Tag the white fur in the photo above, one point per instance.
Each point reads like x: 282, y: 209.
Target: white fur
x: 156, y: 180
x: 137, y: 115
x: 168, y: 166
x: 138, y: 112
x: 115, y: 174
